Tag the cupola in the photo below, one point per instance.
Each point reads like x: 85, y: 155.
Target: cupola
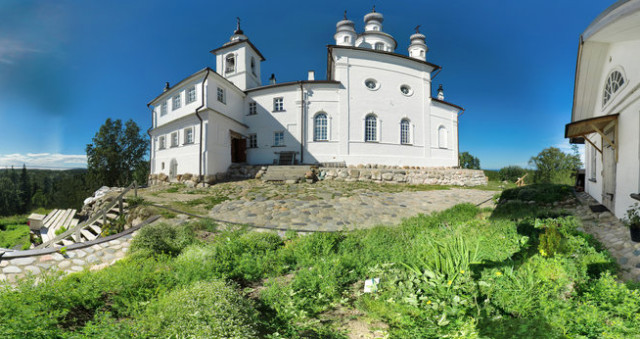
x: 373, y: 21
x: 238, y: 34
x: 440, y: 93
x: 345, y: 32
x: 418, y: 48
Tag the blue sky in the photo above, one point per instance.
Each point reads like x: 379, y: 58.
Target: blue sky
x: 66, y: 66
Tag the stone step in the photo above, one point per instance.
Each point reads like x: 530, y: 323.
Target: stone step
x: 66, y: 242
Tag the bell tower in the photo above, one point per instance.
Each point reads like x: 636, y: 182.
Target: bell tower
x: 238, y: 60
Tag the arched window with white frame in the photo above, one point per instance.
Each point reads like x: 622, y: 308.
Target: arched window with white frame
x: 405, y: 134
x: 615, y: 81
x: 320, y: 127
x: 379, y: 46
x: 442, y: 137
x: 371, y: 128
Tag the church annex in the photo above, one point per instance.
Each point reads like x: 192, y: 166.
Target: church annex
x: 375, y: 107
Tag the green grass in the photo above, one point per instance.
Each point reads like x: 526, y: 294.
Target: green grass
x: 516, y: 272
x: 15, y: 235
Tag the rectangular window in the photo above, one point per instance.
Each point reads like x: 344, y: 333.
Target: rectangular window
x: 253, y: 108
x: 163, y: 109
x: 188, y: 135
x: 191, y: 94
x: 161, y: 143
x: 278, y: 138
x: 252, y: 141
x: 278, y: 104
x: 174, y: 139
x: 176, y: 102
x: 221, y: 97
x: 592, y: 170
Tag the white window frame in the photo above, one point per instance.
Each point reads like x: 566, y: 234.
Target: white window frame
x: 191, y: 95
x: 188, y: 136
x: 164, y: 108
x: 443, y: 137
x: 174, y: 139
x: 593, y: 162
x: 371, y: 129
x: 221, y: 95
x: 405, y: 131
x: 278, y: 139
x: 612, y: 86
x: 253, y: 66
x: 321, y: 132
x: 253, y: 108
x: 378, y: 46
x: 176, y: 102
x: 162, y: 144
x: 252, y: 141
x: 278, y: 104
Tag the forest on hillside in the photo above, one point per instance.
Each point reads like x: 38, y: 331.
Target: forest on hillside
x: 22, y: 190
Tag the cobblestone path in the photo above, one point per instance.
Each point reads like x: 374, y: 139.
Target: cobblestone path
x: 361, y: 210
x: 613, y: 234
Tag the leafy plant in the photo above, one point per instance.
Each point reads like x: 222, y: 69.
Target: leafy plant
x: 632, y: 215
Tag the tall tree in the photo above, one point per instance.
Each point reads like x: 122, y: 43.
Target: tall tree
x: 469, y: 161
x: 116, y: 153
x: 25, y: 191
x: 554, y: 166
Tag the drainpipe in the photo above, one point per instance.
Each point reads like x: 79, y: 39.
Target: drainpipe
x: 201, y: 124
x: 458, y: 134
x: 150, y: 140
x: 301, y: 123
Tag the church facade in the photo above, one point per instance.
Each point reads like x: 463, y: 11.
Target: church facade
x: 606, y: 106
x: 375, y: 107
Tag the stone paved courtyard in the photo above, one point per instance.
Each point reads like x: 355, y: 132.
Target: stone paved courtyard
x: 322, y: 206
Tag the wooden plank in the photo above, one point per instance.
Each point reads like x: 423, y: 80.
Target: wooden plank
x: 592, y: 144
x: 49, y: 216
x: 88, y: 235
x: 95, y: 229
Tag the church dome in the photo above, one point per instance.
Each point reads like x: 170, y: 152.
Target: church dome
x: 375, y: 16
x: 345, y: 25
x: 417, y: 38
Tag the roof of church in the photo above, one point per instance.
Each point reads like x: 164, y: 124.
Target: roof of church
x: 447, y: 103
x: 214, y: 51
x: 289, y: 83
x: 435, y: 67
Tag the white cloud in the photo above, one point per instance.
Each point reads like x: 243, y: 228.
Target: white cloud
x: 44, y: 160
x: 11, y: 50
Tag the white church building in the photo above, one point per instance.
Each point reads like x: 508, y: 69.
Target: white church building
x: 606, y: 106
x: 375, y: 107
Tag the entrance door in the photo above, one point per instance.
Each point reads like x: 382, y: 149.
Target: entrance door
x: 173, y: 169
x: 609, y: 172
x: 238, y: 149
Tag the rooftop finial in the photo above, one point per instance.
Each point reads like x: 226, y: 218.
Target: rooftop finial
x: 374, y: 9
x: 345, y: 14
x: 417, y: 29
x: 238, y: 23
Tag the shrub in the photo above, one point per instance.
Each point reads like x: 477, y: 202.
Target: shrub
x: 511, y: 173
x: 550, y: 240
x: 539, y: 193
x: 210, y: 309
x: 163, y: 238
x: 492, y: 175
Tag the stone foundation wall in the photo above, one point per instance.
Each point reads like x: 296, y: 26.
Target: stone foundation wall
x: 427, y: 176
x: 235, y: 172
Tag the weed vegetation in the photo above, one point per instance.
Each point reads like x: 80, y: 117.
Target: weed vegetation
x: 464, y: 272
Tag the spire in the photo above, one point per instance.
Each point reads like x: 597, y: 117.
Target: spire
x: 345, y: 14
x: 238, y: 30
x: 374, y: 9
x: 440, y: 93
x: 418, y: 29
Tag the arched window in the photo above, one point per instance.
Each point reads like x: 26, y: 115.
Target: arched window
x: 346, y: 39
x: 230, y: 61
x: 320, y: 127
x: 379, y: 46
x: 442, y: 137
x: 404, y: 132
x: 371, y: 128
x: 614, y: 82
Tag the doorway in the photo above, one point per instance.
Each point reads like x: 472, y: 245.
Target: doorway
x: 238, y: 148
x: 609, y: 171
x: 173, y: 169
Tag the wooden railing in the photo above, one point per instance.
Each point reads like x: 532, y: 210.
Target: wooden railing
x: 100, y: 214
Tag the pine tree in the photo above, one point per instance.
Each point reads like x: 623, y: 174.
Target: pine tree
x: 25, y: 191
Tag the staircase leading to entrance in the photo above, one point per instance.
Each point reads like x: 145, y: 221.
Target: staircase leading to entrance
x: 285, y: 174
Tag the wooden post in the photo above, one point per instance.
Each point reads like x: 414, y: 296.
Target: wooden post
x: 120, y: 204
x: 135, y: 188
